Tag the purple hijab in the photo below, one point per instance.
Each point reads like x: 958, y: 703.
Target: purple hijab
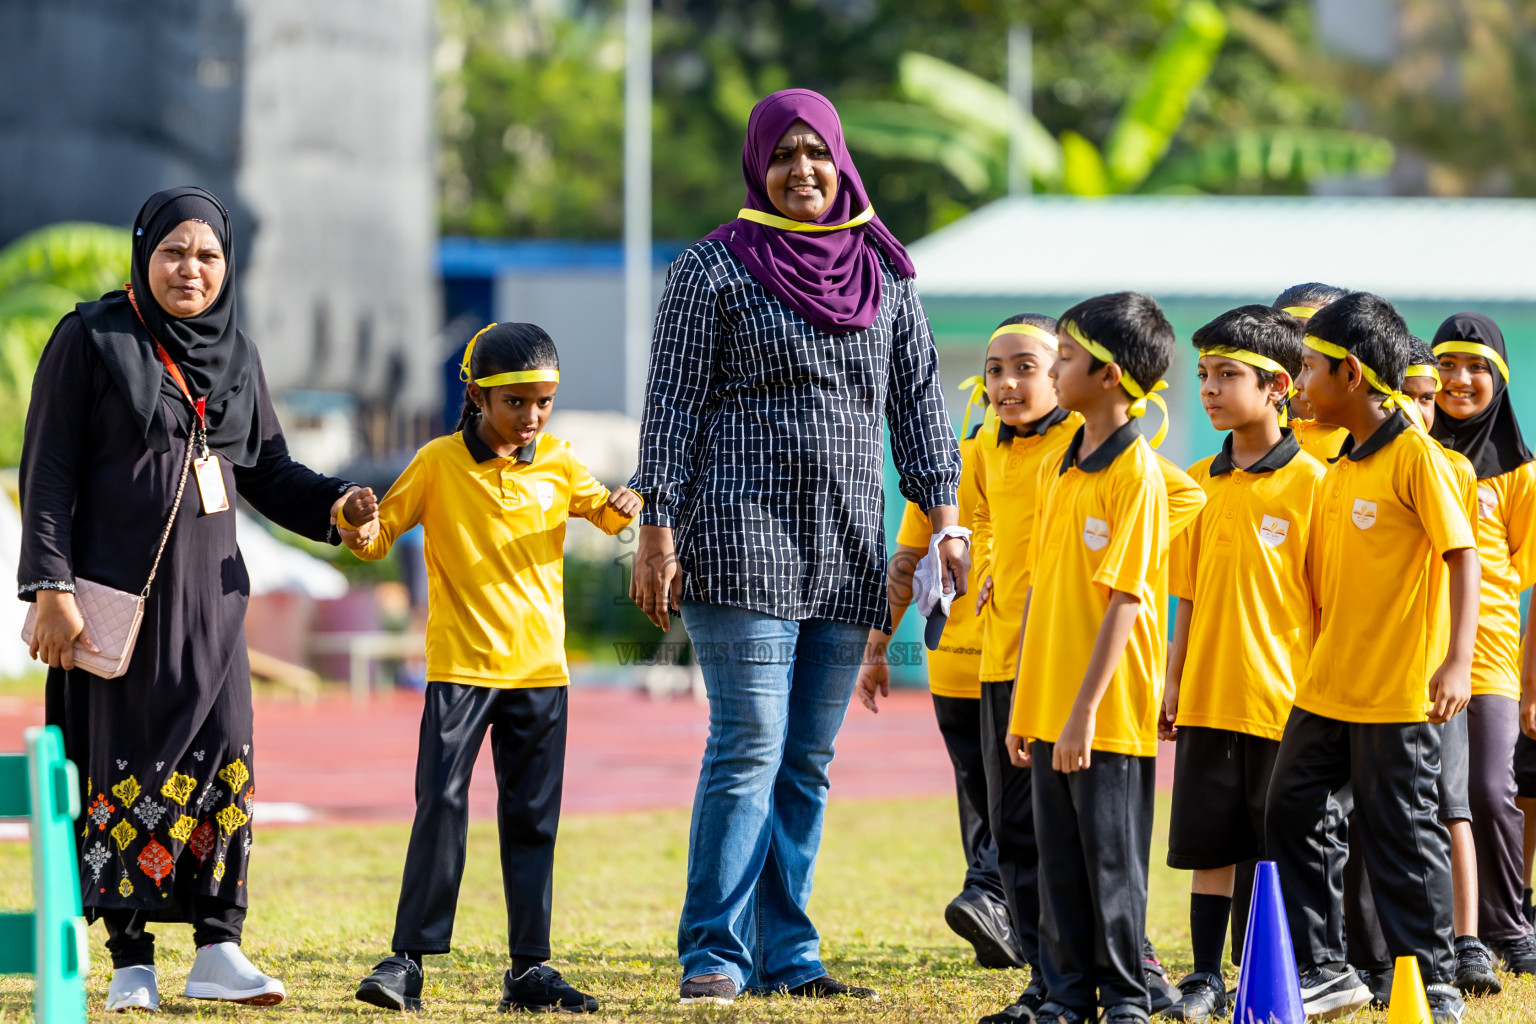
x: 831, y: 278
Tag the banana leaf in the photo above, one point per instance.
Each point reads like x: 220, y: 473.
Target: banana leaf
x: 984, y: 107
x: 1156, y: 107
x: 909, y: 132
x: 87, y: 259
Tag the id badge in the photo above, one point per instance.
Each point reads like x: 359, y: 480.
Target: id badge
x: 210, y: 484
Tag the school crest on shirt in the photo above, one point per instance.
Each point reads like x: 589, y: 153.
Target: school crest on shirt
x: 1095, y: 533
x: 1273, y: 530
x: 545, y: 489
x: 1364, y: 513
x: 1487, y: 501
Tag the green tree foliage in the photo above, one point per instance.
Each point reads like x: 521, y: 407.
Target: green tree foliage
x: 42, y: 275
x: 532, y: 134
x: 1461, y: 94
x: 973, y: 129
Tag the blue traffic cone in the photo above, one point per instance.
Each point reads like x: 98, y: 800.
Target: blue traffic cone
x: 1268, y: 988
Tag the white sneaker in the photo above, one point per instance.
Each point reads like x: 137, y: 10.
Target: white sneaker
x: 221, y: 971
x: 133, y: 988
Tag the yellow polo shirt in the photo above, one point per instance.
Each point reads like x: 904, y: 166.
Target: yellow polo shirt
x: 1387, y: 514
x: 1008, y: 474
x: 1102, y: 525
x: 1503, y: 512
x: 1322, y: 441
x: 495, y: 540
x: 1243, y: 567
x: 954, y: 668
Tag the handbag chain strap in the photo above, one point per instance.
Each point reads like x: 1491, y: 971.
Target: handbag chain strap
x: 181, y: 486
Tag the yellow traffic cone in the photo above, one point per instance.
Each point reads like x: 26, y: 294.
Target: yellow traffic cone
x: 1409, y: 1004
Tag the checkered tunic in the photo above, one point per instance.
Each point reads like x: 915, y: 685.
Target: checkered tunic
x: 763, y: 442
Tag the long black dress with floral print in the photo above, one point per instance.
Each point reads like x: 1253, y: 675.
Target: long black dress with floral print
x: 164, y: 752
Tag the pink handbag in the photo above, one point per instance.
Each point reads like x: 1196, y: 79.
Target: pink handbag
x: 112, y: 617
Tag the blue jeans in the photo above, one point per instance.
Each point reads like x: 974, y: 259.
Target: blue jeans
x: 778, y: 691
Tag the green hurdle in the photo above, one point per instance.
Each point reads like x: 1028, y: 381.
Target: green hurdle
x: 48, y: 943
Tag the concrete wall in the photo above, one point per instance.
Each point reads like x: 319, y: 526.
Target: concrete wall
x: 102, y: 104
x: 583, y: 311
x: 337, y: 166
x: 313, y: 122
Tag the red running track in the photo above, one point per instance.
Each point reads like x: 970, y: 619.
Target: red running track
x: 625, y: 752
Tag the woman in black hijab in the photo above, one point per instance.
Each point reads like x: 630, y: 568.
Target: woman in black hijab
x: 1476, y: 417
x: 164, y: 751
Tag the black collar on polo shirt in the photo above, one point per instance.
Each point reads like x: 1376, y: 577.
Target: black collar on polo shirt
x: 1385, y: 435
x: 1278, y: 456
x: 1105, y: 453
x: 481, y: 452
x: 1006, y: 433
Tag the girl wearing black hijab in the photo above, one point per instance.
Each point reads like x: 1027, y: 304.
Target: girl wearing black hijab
x: 1476, y: 417
x: 164, y: 751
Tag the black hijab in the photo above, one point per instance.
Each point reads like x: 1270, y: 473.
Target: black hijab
x: 216, y: 358
x: 1491, y: 439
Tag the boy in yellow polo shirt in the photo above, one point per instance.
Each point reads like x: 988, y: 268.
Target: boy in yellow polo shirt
x: 979, y: 914
x: 493, y: 500
x: 1085, y: 711
x: 1319, y: 440
x: 1392, y: 659
x: 1243, y: 629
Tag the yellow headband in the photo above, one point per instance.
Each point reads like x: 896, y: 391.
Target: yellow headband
x: 978, y: 389
x: 1395, y: 398
x: 785, y: 224
x: 1300, y: 312
x: 1425, y: 370
x: 1473, y: 348
x: 1242, y: 355
x: 1030, y: 329
x: 518, y: 377
x: 1142, y: 396
x: 496, y: 380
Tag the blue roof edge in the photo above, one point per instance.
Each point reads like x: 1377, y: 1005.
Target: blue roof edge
x: 460, y: 257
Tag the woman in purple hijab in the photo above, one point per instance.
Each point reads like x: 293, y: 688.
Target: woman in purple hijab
x: 786, y: 340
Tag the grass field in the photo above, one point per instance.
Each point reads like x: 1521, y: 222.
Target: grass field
x: 324, y: 905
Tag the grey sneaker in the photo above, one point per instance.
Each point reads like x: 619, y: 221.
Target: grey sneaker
x: 1445, y: 1004
x: 1474, y: 968
x: 134, y: 988
x: 221, y: 971
x: 1326, y: 994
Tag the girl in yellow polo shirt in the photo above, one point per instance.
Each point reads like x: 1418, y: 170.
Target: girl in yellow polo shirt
x: 1476, y: 417
x: 493, y: 500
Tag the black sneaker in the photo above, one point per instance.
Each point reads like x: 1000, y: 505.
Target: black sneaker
x: 1159, y: 987
x: 1519, y: 955
x: 395, y: 984
x: 1379, y: 981
x: 1474, y: 968
x: 542, y: 990
x: 1326, y: 994
x: 982, y: 920
x: 1022, y: 1010
x: 1055, y: 1013
x: 1445, y: 1004
x: 721, y: 992
x: 826, y: 987
x: 1125, y: 1013
x: 1202, y: 995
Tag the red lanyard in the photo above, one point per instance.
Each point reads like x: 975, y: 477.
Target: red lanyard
x: 199, y: 405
